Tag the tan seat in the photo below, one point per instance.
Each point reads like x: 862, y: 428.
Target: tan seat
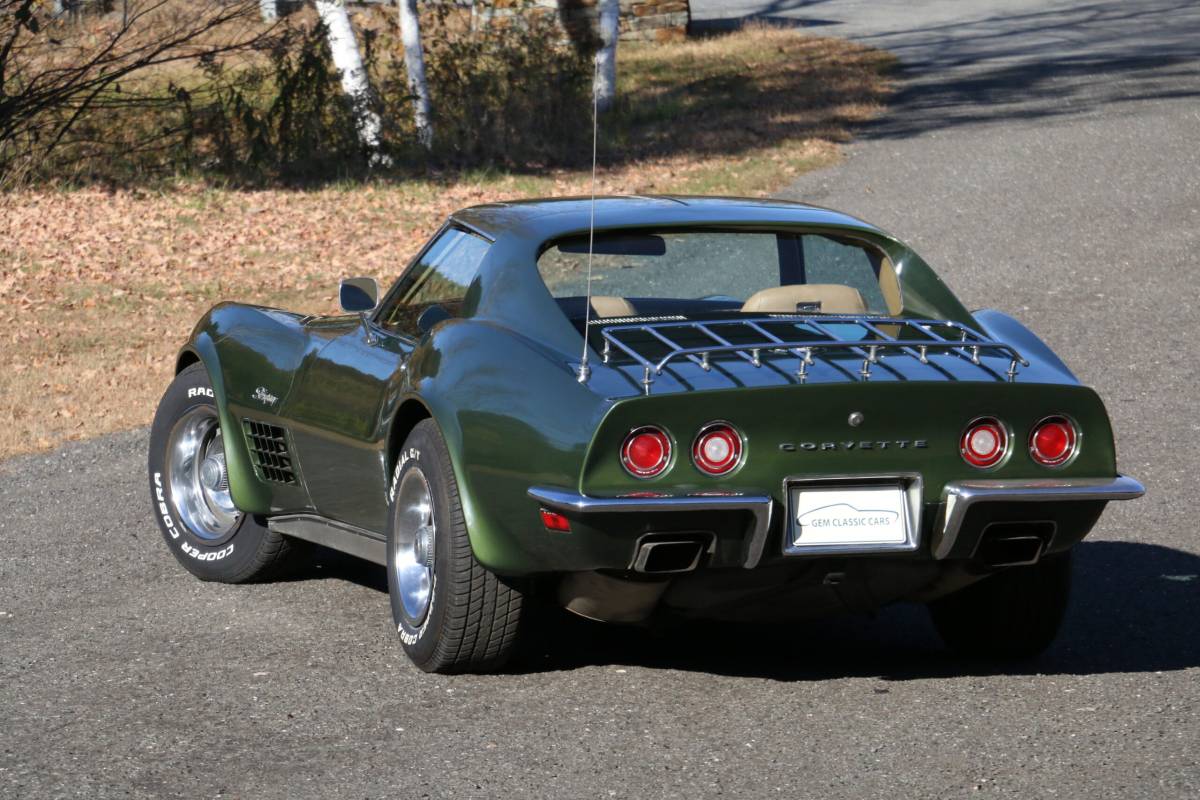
x: 606, y: 306
x: 828, y: 298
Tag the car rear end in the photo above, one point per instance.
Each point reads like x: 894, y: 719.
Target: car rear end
x: 910, y: 483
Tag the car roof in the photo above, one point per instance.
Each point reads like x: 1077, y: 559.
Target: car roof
x: 548, y: 218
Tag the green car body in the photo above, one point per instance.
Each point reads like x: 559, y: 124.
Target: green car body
x: 501, y: 378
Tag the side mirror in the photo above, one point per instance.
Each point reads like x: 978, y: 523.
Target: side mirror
x: 359, y: 295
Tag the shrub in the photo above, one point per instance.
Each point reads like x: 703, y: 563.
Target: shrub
x: 285, y: 119
x: 514, y: 94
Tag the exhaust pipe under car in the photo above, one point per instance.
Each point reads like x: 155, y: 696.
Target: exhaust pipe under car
x: 1011, y: 544
x: 668, y: 556
x: 633, y: 598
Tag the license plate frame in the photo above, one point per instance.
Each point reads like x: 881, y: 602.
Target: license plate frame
x: 902, y: 492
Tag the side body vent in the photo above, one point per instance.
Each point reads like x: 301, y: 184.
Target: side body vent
x: 269, y: 449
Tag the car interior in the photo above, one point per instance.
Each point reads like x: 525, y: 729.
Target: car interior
x: 651, y: 273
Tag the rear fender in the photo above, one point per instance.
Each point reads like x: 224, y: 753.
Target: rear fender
x: 1003, y: 328
x: 511, y: 418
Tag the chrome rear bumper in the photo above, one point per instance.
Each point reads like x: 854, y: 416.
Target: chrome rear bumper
x: 959, y: 496
x: 760, y: 506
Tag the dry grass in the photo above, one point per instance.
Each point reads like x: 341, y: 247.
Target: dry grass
x: 98, y: 290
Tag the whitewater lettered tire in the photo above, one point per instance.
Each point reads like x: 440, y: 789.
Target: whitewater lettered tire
x: 189, y: 490
x: 1014, y: 614
x: 452, y: 614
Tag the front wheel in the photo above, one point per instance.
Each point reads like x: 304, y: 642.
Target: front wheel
x: 189, y: 490
x: 452, y: 614
x: 1013, y: 614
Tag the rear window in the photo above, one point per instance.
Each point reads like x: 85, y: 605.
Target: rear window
x: 679, y: 271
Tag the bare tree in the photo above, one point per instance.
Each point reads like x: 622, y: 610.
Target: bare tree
x: 343, y: 48
x: 52, y: 76
x: 606, y: 57
x: 414, y: 66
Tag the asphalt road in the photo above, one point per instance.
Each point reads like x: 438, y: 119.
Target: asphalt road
x: 1045, y: 159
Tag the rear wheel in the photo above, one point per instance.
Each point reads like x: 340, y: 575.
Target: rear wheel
x: 189, y: 490
x: 1013, y: 614
x: 452, y: 614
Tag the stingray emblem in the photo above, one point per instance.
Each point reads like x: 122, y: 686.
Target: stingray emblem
x: 844, y: 515
x: 263, y: 396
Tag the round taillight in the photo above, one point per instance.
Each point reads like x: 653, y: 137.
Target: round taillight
x: 1053, y: 441
x: 984, y: 443
x: 646, y: 452
x: 717, y: 449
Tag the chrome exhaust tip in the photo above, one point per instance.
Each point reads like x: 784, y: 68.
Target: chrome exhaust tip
x: 1012, y: 545
x: 669, y: 555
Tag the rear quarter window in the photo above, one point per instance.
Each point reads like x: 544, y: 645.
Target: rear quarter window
x: 828, y: 260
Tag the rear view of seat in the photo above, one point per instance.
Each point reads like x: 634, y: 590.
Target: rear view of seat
x: 827, y: 298
x: 606, y: 306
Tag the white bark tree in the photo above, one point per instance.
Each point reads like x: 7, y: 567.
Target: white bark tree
x: 605, y: 85
x: 414, y: 66
x: 61, y: 8
x: 343, y: 47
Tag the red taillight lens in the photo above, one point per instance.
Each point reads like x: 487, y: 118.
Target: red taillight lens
x: 553, y: 521
x: 984, y: 443
x: 1053, y: 441
x: 717, y: 449
x: 646, y: 452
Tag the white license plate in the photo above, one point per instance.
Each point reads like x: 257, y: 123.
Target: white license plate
x: 849, y: 517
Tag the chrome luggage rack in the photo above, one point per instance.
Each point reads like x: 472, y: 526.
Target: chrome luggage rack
x: 802, y: 336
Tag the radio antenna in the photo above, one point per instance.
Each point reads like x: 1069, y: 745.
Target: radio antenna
x: 585, y: 370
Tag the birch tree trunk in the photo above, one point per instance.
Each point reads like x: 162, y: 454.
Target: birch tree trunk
x: 343, y: 47
x: 605, y: 85
x: 269, y: 9
x: 414, y: 65
x: 61, y: 8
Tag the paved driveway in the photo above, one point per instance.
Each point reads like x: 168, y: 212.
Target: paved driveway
x: 1044, y: 158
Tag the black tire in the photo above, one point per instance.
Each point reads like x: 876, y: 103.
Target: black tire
x: 1014, y: 614
x: 247, y: 550
x: 471, y: 618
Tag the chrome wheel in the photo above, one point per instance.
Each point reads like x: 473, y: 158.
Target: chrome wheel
x: 198, y: 478
x: 413, y: 540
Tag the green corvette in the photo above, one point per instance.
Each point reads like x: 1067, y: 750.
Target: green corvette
x: 727, y: 409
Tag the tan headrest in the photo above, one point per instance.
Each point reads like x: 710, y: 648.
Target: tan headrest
x: 828, y: 298
x: 605, y: 306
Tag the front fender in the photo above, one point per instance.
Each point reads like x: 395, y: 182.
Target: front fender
x: 249, y: 494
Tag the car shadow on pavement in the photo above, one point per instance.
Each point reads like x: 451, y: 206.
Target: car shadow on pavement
x: 1135, y: 608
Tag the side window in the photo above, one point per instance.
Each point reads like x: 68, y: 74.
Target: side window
x: 440, y: 278
x: 827, y: 260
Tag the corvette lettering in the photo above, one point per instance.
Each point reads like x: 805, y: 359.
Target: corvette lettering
x: 883, y: 444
